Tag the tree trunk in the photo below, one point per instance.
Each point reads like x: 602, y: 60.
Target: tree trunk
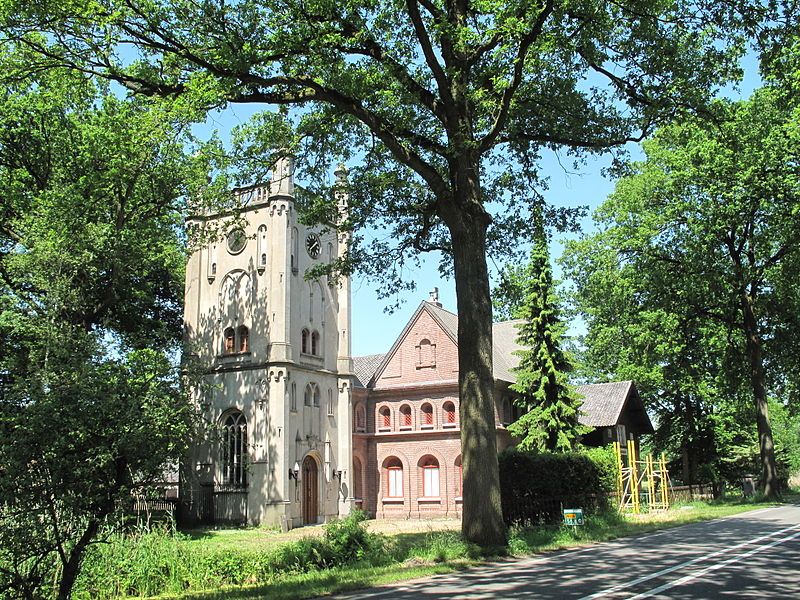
x: 482, y: 520
x: 769, y: 472
x: 72, y: 567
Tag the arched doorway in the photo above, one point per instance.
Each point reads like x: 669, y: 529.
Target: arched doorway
x: 310, y: 491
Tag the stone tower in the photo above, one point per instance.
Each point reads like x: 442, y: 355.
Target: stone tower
x: 274, y: 352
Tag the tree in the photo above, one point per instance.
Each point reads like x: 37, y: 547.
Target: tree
x: 91, y: 271
x: 447, y: 104
x: 711, y: 216
x: 552, y: 406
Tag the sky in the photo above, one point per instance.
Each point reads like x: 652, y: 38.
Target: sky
x: 374, y: 330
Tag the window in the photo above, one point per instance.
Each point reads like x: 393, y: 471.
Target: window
x: 330, y: 402
x: 315, y: 349
x: 405, y: 416
x: 311, y: 397
x: 305, y: 342
x: 426, y: 354
x: 262, y: 248
x: 449, y: 413
x: 427, y: 415
x: 230, y: 340
x: 384, y: 418
x: 294, y: 250
x: 361, y: 418
x: 293, y: 398
x: 430, y: 477
x: 506, y: 416
x: 234, y: 450
x: 244, y: 338
x: 394, y: 478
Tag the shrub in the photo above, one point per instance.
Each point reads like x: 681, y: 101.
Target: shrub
x: 536, y: 486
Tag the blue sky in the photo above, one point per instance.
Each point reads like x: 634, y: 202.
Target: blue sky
x: 374, y: 330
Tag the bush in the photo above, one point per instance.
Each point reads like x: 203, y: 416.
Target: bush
x: 536, y: 486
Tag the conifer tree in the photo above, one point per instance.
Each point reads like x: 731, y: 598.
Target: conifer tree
x: 552, y: 406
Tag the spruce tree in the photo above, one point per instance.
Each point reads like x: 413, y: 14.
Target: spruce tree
x: 552, y: 406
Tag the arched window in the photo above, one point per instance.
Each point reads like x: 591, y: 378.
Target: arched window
x: 384, y: 418
x: 293, y: 398
x: 315, y: 349
x: 317, y: 395
x: 430, y: 476
x: 234, y: 450
x: 405, y: 416
x: 357, y: 484
x: 505, y: 417
x: 262, y: 248
x: 427, y: 415
x: 244, y: 338
x: 459, y: 478
x: 294, y: 250
x: 305, y: 341
x: 449, y: 410
x: 393, y: 477
x: 229, y: 341
x: 426, y: 353
x: 330, y: 402
x: 311, y: 397
x: 361, y: 418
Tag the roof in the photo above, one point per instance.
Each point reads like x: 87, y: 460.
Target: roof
x: 364, y: 368
x: 604, y: 403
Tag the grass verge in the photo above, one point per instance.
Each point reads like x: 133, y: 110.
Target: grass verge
x: 251, y: 563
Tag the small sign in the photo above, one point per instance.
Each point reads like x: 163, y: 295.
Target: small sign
x: 573, y: 516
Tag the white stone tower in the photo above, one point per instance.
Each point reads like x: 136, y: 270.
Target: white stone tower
x: 274, y: 350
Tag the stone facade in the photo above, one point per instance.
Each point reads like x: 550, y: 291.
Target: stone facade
x: 275, y: 352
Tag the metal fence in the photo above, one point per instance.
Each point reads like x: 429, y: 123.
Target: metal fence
x: 534, y: 510
x: 223, y: 504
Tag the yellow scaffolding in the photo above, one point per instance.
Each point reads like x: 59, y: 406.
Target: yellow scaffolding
x: 641, y: 484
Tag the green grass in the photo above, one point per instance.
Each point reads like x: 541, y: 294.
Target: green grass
x: 248, y: 563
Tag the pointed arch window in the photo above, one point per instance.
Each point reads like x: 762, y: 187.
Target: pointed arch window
x: 262, y: 248
x: 229, y: 343
x: 315, y: 349
x: 305, y: 341
x: 330, y: 402
x: 234, y: 450
x: 294, y: 251
x: 293, y: 398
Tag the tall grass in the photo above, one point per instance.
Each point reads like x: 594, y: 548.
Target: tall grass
x: 164, y: 561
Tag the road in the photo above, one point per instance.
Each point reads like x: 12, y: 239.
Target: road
x: 749, y: 555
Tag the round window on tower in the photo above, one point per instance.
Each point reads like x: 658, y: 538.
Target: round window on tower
x: 236, y: 240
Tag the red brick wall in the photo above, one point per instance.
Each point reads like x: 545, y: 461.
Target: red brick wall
x: 414, y: 363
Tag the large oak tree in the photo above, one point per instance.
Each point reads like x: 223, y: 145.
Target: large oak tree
x: 449, y: 105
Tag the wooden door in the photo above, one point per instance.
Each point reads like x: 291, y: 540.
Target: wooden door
x: 310, y: 491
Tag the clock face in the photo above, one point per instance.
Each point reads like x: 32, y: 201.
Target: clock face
x: 313, y: 245
x: 236, y: 241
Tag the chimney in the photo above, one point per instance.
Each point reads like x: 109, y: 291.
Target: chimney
x: 434, y: 297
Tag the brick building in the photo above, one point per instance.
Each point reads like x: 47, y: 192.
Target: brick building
x: 406, y: 435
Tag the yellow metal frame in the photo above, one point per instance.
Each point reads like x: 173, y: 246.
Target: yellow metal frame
x: 641, y: 484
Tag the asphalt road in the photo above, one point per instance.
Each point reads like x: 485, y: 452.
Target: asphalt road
x: 750, y: 555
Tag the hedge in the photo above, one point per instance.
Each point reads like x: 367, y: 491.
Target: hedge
x: 536, y: 486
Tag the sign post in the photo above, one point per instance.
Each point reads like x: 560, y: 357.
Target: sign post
x: 573, y: 516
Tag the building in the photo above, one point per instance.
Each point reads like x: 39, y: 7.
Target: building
x: 300, y: 432
x: 275, y: 353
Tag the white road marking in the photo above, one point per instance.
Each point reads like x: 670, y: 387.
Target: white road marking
x: 707, y: 570
x: 629, y: 584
